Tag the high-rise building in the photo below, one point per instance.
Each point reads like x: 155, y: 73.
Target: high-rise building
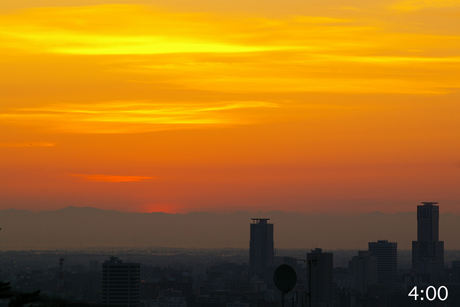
x: 364, y: 271
x: 261, y: 246
x: 428, y: 251
x: 455, y: 278
x: 120, y: 283
x: 320, y: 277
x: 387, y: 264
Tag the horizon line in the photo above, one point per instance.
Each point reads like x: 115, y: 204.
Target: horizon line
x: 221, y: 213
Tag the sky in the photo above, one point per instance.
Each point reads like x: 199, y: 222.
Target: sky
x: 223, y: 106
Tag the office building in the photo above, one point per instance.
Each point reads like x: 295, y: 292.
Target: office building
x: 261, y: 246
x: 455, y: 278
x: 428, y: 251
x: 120, y: 283
x: 364, y: 272
x: 387, y: 265
x: 320, y: 277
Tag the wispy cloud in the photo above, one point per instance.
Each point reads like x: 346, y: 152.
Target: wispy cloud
x: 352, y: 52
x: 143, y: 30
x: 123, y: 29
x: 413, y: 5
x: 27, y: 144
x: 111, y: 178
x: 132, y: 116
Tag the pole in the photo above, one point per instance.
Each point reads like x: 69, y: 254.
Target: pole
x: 309, y: 262
x: 61, y: 275
x: 309, y: 283
x: 309, y: 279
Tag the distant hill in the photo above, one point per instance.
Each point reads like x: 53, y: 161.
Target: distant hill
x: 78, y: 228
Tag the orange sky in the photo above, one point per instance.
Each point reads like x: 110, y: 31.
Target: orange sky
x: 230, y: 105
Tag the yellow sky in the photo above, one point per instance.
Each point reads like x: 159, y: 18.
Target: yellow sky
x: 217, y: 105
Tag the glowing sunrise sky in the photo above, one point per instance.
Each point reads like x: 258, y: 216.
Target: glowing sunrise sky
x: 180, y: 106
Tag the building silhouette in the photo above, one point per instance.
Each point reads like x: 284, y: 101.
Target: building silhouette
x: 387, y: 265
x: 120, y: 283
x: 455, y: 277
x: 320, y: 277
x: 364, y: 272
x: 428, y: 251
x: 261, y: 245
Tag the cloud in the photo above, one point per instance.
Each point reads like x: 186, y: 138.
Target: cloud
x: 350, y: 52
x: 27, y: 144
x: 132, y: 116
x: 111, y: 178
x: 413, y: 5
x: 122, y: 29
x: 144, y: 30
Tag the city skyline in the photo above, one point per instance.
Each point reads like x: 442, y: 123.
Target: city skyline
x: 226, y: 278
x: 227, y: 106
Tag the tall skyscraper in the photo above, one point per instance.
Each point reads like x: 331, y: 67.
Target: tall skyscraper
x: 428, y: 251
x: 320, y: 276
x: 261, y: 246
x: 387, y: 264
x: 120, y: 283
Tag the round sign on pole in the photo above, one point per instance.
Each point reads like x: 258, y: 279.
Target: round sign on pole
x: 285, y: 278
